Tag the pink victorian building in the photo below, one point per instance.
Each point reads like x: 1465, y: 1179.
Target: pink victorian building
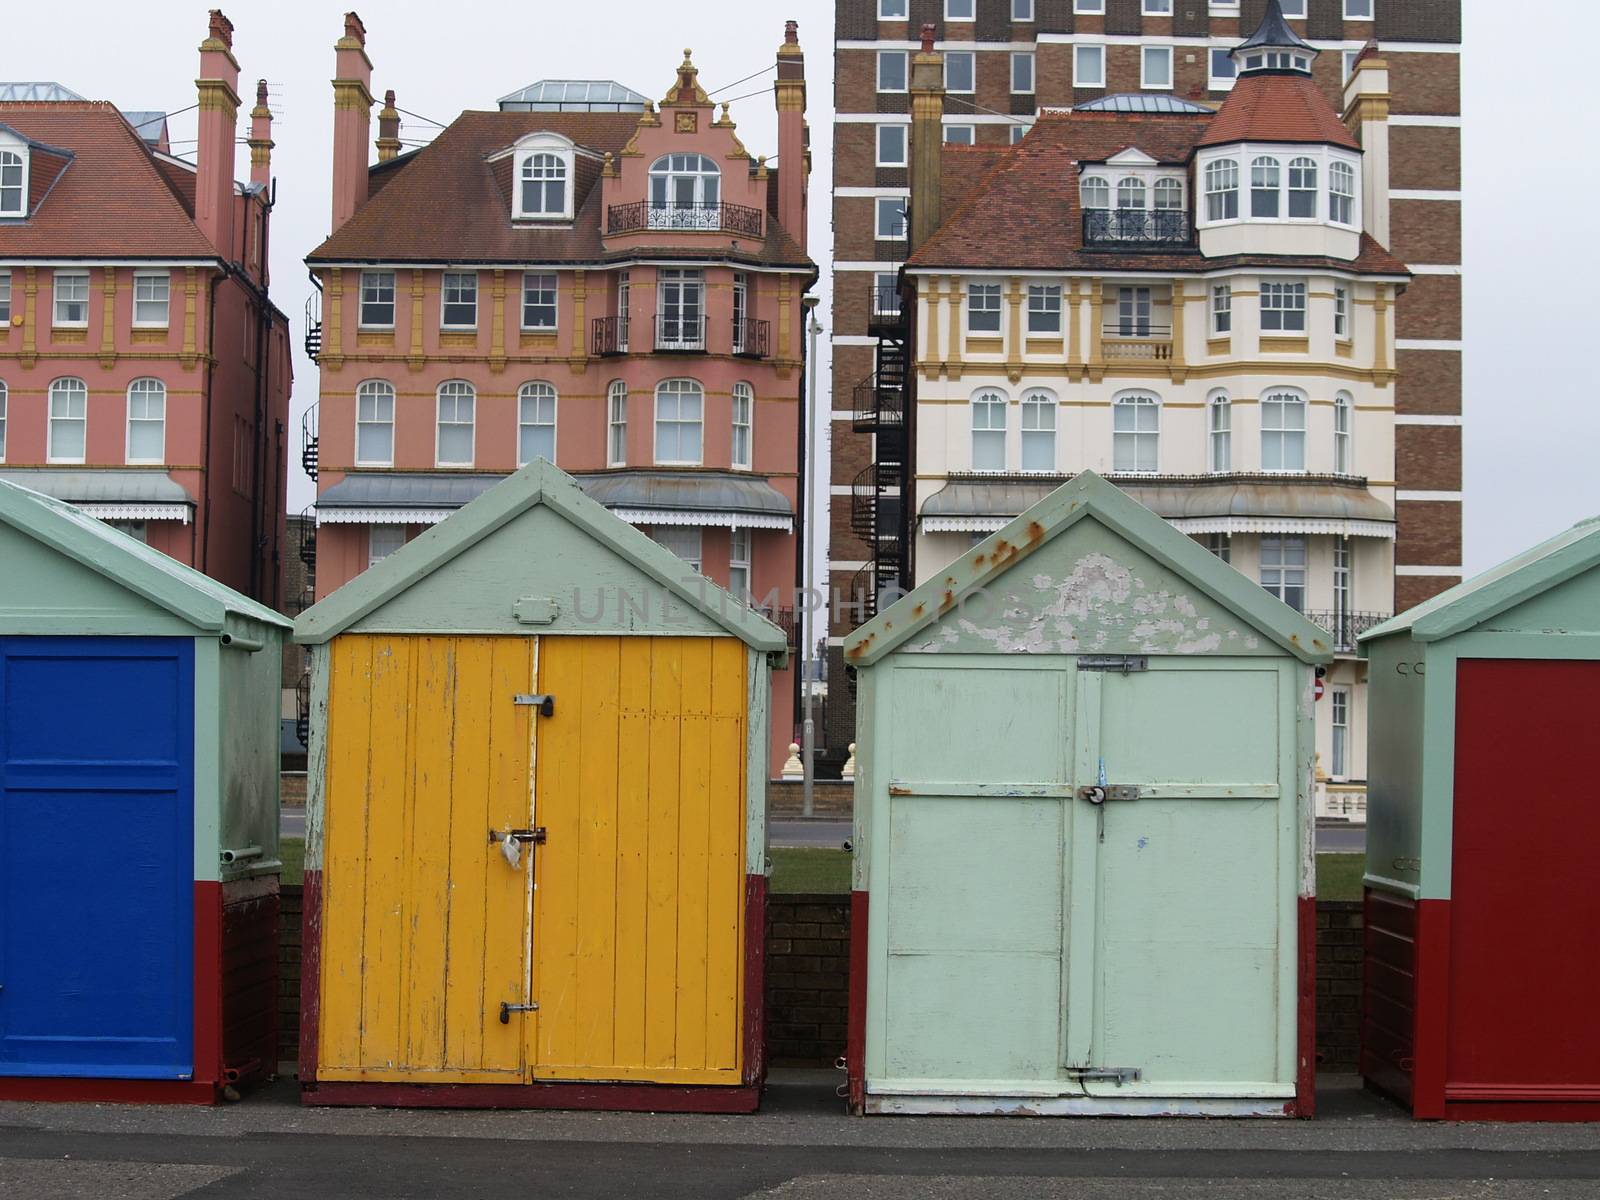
x: 144, y: 372
x: 583, y: 276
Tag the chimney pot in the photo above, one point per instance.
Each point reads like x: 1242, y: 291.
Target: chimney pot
x: 221, y: 28
x: 791, y: 32
x: 353, y: 28
x: 927, y: 37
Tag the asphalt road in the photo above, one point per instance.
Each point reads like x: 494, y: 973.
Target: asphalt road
x: 800, y: 1147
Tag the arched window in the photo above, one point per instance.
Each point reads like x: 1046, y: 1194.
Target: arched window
x: 13, y: 193
x: 1169, y: 193
x: 617, y: 424
x: 685, y: 192
x: 1303, y: 188
x: 1219, y: 432
x: 536, y: 423
x: 680, y: 421
x: 544, y: 185
x: 1135, y: 432
x: 453, y: 443
x: 69, y: 421
x: 989, y: 430
x: 1344, y: 412
x: 1222, y: 190
x: 375, y: 424
x: 147, y: 421
x: 1095, y: 192
x: 1130, y: 193
x: 1265, y: 178
x: 1038, y: 430
x: 1283, y: 430
x: 744, y: 404
x: 2, y: 420
x: 1341, y: 194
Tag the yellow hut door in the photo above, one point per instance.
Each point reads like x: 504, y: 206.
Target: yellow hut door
x: 426, y: 920
x: 638, y: 936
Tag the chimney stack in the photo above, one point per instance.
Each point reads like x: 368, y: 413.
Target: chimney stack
x: 789, y: 91
x: 261, y: 142
x: 219, y: 117
x: 388, y: 128
x: 1366, y: 114
x: 927, y: 141
x: 352, y: 119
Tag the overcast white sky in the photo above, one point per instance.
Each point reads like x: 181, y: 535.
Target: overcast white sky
x: 1532, y: 243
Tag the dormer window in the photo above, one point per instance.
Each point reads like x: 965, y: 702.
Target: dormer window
x: 543, y: 178
x: 13, y: 183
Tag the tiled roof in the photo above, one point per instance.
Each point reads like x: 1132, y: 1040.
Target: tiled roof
x: 1024, y: 213
x: 110, y: 200
x: 1277, y: 108
x: 448, y: 203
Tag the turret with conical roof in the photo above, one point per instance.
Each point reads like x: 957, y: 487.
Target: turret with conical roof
x: 1274, y: 46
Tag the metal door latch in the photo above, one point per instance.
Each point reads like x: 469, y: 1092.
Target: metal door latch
x: 535, y: 835
x: 1122, y: 663
x: 545, y: 704
x: 507, y: 1009
x: 1098, y: 794
x: 1116, y: 1075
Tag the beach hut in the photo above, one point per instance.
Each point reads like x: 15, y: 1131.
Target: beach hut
x: 535, y: 859
x: 1482, y: 895
x: 138, y: 817
x: 1083, y: 829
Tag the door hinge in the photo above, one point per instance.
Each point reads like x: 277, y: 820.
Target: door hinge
x: 507, y: 1009
x: 1123, y: 663
x: 545, y: 704
x: 1116, y: 1075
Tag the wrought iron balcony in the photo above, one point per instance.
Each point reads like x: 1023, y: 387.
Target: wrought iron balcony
x: 752, y: 338
x: 610, y: 337
x: 684, y: 218
x: 682, y: 335
x: 1346, y: 627
x: 1137, y: 229
x: 885, y: 308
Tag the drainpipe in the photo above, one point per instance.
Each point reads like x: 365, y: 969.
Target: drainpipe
x: 808, y: 734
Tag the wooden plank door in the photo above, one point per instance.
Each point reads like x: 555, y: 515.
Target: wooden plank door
x: 1183, y: 901
x: 425, y: 925
x: 638, y: 943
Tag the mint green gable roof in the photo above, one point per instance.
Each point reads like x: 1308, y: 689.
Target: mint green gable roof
x: 539, y: 485
x: 1520, y: 578
x: 187, y: 594
x: 1088, y: 496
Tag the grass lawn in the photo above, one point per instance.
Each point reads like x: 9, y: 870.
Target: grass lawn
x: 1339, y: 876
x: 293, y: 853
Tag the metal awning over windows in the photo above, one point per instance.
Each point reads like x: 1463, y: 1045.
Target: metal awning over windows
x: 111, y: 495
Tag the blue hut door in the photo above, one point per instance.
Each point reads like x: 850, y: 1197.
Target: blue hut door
x: 96, y: 857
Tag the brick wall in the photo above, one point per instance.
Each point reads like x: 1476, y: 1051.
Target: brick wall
x: 289, y: 909
x: 1339, y: 959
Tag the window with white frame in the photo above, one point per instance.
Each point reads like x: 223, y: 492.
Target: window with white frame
x: 1339, y: 714
x: 885, y: 293
x: 1022, y: 10
x: 544, y: 178
x: 1225, y: 7
x: 1221, y: 309
x: 1022, y: 72
x: 377, y: 299
x: 1088, y: 66
x: 892, y: 10
x: 680, y: 419
x: 891, y: 218
x: 680, y: 309
x: 454, y: 440
x: 458, y: 300
x: 1358, y: 10
x: 536, y: 423
x: 1283, y: 569
x: 989, y: 431
x: 1283, y: 431
x: 1019, y: 130
x: 1135, y: 433
x: 739, y: 564
x: 960, y: 135
x: 891, y: 70
x: 1088, y: 7
x: 1219, y: 432
x: 152, y: 299
x: 1294, y: 8
x: 3, y: 399
x: 147, y: 421
x: 1044, y: 308
x: 1223, y: 69
x: 1341, y: 193
x: 382, y: 541
x: 1133, y: 312
x: 1168, y: 195
x: 1344, y: 415
x: 1130, y: 193
x: 1094, y: 192
x: 1283, y: 307
x: 891, y: 145
x: 617, y: 424
x: 1303, y: 188
x: 744, y: 404
x: 1155, y: 67
x: 1157, y: 8
x: 375, y: 424
x: 960, y: 10
x: 741, y: 310
x: 1221, y: 545
x: 1265, y: 174
x: 5, y: 297
x: 1343, y: 591
x: 1038, y: 430
x: 682, y: 540
x: 71, y: 299
x: 69, y: 421
x: 1341, y: 313
x: 13, y: 183
x: 624, y: 299
x: 983, y: 308
x: 1222, y: 190
x: 958, y: 71
x: 539, y: 295
x: 1347, y: 60
x: 685, y: 192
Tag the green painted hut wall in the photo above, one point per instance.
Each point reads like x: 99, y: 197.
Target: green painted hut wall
x: 248, y: 719
x: 46, y: 593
